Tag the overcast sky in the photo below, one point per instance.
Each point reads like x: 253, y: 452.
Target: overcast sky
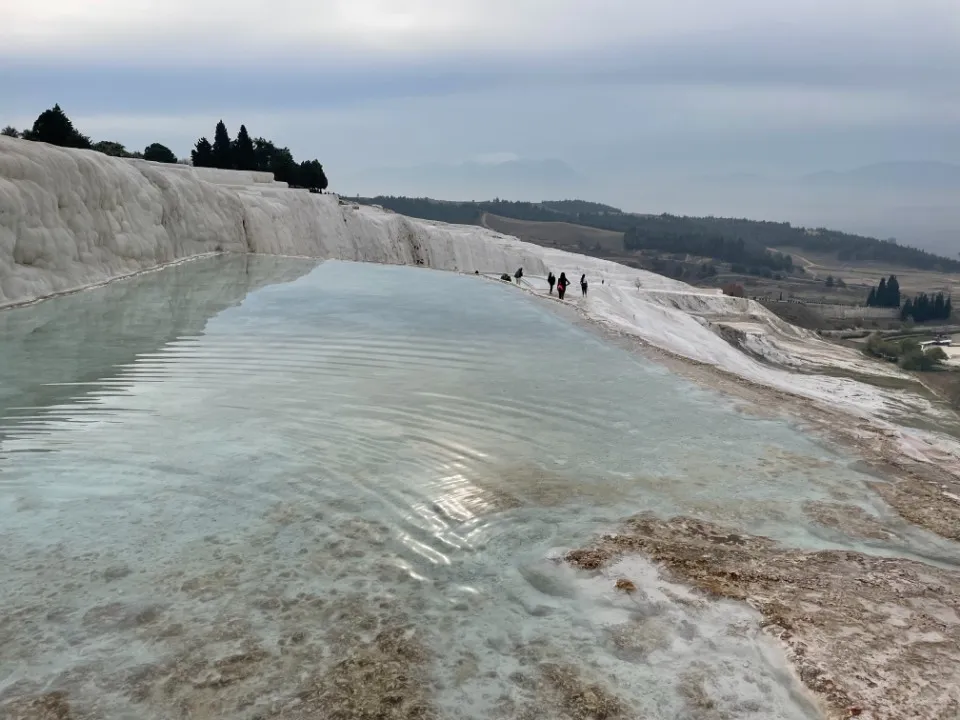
x: 630, y: 90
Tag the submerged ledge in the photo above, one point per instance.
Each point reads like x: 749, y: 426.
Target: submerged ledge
x: 875, y: 637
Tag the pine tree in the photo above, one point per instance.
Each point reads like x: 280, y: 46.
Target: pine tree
x: 222, y: 148
x: 284, y: 167
x: 243, y: 154
x: 882, y: 293
x: 109, y: 147
x: 202, y: 153
x: 159, y: 153
x: 263, y: 152
x: 310, y: 175
x: 54, y: 127
x: 907, y: 310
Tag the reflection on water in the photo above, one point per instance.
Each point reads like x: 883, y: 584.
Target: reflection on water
x: 50, y: 350
x: 368, y: 467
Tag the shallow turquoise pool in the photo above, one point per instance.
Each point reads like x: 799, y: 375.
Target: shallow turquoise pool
x: 264, y: 458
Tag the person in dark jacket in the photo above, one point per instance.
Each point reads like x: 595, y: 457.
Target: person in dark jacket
x: 551, y: 281
x: 583, y: 284
x: 562, y: 285
x: 518, y: 275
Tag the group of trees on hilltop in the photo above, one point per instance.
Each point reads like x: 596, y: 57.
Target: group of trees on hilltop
x: 845, y: 246
x: 577, y: 207
x: 885, y: 294
x: 54, y: 127
x: 260, y: 154
x: 924, y: 308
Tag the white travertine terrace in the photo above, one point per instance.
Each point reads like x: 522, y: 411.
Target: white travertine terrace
x: 75, y: 218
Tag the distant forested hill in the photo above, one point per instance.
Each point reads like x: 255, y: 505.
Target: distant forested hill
x: 726, y: 239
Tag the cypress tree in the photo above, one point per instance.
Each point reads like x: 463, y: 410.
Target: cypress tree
x: 882, y: 293
x: 243, y: 153
x: 938, y: 307
x: 893, y: 289
x: 222, y: 148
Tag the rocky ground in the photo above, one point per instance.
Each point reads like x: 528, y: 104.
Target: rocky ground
x: 873, y: 637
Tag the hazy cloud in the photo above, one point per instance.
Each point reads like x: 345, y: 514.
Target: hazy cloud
x: 627, y: 92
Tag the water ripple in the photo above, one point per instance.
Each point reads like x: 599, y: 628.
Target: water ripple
x: 319, y: 451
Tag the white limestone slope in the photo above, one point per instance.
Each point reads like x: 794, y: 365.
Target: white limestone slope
x: 692, y: 323
x: 72, y: 218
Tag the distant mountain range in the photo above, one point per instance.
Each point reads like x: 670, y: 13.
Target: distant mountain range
x: 523, y: 179
x: 908, y: 174
x: 933, y: 175
x: 916, y: 202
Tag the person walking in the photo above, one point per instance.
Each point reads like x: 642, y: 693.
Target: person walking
x: 583, y: 284
x: 518, y: 275
x: 562, y: 285
x: 551, y: 281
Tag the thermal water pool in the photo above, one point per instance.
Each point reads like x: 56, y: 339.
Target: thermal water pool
x: 238, y: 487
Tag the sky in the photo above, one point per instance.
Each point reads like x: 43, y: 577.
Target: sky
x: 649, y: 105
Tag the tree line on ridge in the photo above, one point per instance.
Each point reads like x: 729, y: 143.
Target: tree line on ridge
x: 53, y: 126
x: 260, y: 154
